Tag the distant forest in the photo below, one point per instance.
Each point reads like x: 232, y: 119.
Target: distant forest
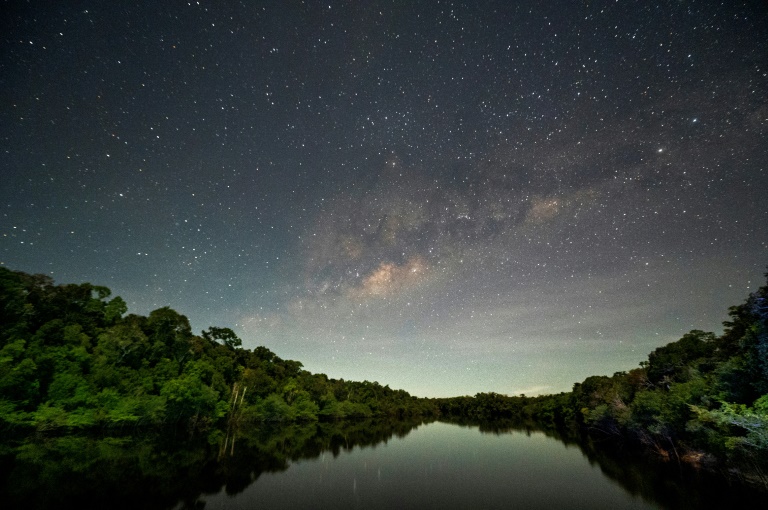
x: 72, y: 359
x: 702, y: 400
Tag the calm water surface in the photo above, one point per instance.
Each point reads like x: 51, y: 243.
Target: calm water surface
x: 440, y: 465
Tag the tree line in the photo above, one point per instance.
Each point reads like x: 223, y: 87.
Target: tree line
x: 702, y: 399
x: 70, y: 358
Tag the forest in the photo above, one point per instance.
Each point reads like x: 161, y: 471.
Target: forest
x: 72, y: 359
x: 702, y: 400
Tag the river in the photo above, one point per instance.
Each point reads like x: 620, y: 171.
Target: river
x: 351, y: 465
x: 441, y: 465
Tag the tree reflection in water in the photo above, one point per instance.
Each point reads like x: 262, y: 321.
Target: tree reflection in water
x: 158, y: 471
x: 177, y: 471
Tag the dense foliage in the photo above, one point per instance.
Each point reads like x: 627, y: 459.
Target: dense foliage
x: 700, y: 399
x: 71, y: 359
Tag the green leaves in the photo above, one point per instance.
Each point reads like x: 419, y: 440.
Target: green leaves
x: 743, y: 427
x: 70, y: 359
x: 115, y: 310
x: 187, y: 396
x: 671, y: 362
x: 225, y: 335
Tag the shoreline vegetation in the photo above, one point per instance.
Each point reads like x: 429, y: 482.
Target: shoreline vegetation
x: 72, y: 361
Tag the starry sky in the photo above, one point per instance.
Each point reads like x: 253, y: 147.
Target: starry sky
x: 446, y: 197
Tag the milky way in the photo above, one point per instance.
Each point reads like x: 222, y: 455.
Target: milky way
x: 443, y: 197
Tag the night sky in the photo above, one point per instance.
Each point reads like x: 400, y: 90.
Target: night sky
x: 444, y: 197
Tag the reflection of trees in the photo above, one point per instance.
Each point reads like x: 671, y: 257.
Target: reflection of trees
x: 160, y: 471
x: 668, y: 484
x: 569, y: 436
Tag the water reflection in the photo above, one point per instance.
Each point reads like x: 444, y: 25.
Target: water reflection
x: 664, y: 484
x: 365, y: 464
x: 167, y: 471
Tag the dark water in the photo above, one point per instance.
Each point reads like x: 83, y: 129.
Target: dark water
x: 441, y: 466
x: 370, y: 464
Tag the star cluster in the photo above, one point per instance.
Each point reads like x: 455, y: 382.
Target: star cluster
x: 445, y: 197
